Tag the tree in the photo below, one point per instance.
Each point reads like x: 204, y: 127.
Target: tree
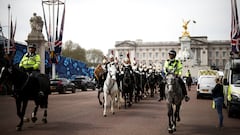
x: 94, y: 57
x: 74, y: 50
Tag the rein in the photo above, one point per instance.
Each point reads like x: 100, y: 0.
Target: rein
x: 25, y: 83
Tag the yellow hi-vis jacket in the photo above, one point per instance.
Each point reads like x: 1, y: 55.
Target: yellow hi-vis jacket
x: 188, y: 74
x: 30, y: 61
x: 170, y: 65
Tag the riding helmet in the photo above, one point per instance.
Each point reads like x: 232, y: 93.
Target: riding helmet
x: 32, y: 46
x: 172, y: 52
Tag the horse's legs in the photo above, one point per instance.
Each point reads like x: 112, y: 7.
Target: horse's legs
x: 118, y: 100
x: 99, y: 100
x: 170, y: 118
x: 105, y: 104
x: 44, y: 119
x: 34, y: 113
x: 152, y: 91
x: 125, y: 98
x: 178, y: 112
x: 112, y: 103
x: 21, y: 112
x: 130, y: 97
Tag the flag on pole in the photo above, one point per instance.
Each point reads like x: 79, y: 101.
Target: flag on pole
x: 235, y: 31
x: 12, y: 47
x: 58, y: 42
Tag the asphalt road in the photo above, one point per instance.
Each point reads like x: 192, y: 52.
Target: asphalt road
x: 80, y: 114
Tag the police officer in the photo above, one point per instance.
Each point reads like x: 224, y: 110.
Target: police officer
x: 31, y: 60
x: 172, y: 63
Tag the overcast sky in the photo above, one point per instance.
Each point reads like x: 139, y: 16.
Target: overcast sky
x: 99, y: 23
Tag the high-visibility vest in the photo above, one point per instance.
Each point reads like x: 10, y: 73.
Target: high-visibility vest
x: 30, y: 61
x: 170, y: 65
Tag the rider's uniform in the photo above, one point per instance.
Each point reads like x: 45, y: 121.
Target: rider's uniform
x: 173, y: 64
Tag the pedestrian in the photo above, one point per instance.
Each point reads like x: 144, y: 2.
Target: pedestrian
x: 189, y: 80
x: 217, y: 94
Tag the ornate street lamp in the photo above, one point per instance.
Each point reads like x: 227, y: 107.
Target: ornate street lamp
x: 52, y: 9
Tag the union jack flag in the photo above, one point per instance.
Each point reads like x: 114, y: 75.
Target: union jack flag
x: 58, y: 42
x: 235, y: 31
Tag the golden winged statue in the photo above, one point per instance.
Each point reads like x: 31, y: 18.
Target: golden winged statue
x: 185, y: 26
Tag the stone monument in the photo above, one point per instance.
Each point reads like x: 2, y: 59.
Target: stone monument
x: 36, y: 37
x: 185, y: 54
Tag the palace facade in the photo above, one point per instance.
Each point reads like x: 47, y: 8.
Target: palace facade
x: 205, y: 53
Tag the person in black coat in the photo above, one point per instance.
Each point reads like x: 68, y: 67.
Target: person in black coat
x: 218, y: 97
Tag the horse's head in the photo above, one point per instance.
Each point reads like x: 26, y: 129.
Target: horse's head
x: 11, y: 73
x: 127, y: 72
x: 6, y: 67
x: 170, y: 81
x: 5, y: 73
x: 112, y: 71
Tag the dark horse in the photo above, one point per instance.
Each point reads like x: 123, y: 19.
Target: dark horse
x: 137, y: 86
x: 127, y: 86
x: 27, y: 88
x: 151, y: 83
x: 174, y: 97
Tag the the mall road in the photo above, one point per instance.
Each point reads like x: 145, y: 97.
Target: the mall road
x: 80, y: 114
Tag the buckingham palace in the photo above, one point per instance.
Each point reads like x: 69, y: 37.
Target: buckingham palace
x: 205, y: 53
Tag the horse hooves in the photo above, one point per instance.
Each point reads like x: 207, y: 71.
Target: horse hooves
x: 170, y: 131
x: 18, y: 128
x: 26, y: 119
x: 34, y: 119
x: 113, y: 113
x: 44, y: 120
x: 178, y: 119
x: 104, y: 115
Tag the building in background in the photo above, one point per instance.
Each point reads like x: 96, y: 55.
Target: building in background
x: 205, y: 53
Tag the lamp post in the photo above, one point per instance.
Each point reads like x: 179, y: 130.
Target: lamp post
x: 51, y: 26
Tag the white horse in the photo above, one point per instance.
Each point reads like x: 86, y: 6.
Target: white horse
x: 174, y: 99
x: 110, y: 88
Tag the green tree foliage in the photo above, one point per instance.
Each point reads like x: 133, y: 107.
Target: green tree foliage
x: 94, y: 57
x: 91, y: 57
x: 74, y: 50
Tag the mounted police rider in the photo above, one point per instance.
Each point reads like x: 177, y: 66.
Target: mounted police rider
x: 30, y: 63
x: 171, y: 64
